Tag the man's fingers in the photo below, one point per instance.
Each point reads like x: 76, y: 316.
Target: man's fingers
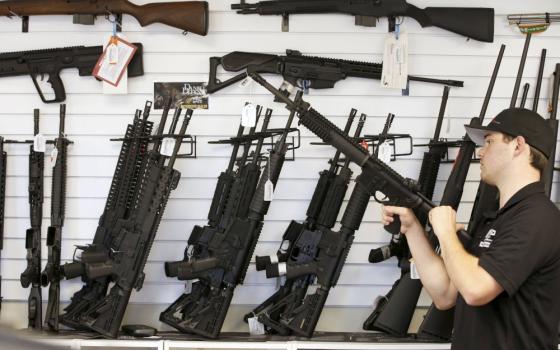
x: 395, y: 210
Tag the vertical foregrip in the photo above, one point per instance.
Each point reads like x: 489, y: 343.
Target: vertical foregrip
x: 356, y: 208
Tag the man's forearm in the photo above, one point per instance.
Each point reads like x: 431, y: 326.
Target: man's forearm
x: 473, y: 282
x: 430, y: 267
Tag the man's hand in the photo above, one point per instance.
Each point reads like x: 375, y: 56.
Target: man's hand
x: 443, y: 220
x: 409, y: 221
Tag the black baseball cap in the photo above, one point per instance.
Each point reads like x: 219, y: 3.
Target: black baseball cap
x: 517, y: 122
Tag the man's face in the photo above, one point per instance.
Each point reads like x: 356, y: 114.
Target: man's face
x: 495, y: 157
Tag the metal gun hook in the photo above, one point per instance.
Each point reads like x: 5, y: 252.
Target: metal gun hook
x: 115, y: 20
x: 12, y: 14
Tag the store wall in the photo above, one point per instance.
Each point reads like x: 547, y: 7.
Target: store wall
x: 94, y: 118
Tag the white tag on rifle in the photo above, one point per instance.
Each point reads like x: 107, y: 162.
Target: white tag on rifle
x: 385, y: 152
x: 167, y: 146
x: 255, y: 327
x: 413, y: 271
x: 268, y: 191
x: 112, y: 64
x: 249, y: 116
x: 54, y: 156
x: 395, y: 61
x: 39, y: 143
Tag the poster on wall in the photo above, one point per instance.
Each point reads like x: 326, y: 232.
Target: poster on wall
x: 191, y: 95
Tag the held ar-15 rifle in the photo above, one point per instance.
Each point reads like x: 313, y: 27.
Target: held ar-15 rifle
x: 51, y: 275
x: 129, y: 242
x: 3, y: 157
x: 190, y: 16
x: 226, y: 255
x: 299, y: 70
x: 302, y: 242
x: 376, y: 177
x: 394, y: 314
x: 475, y: 23
x: 51, y: 62
x: 130, y: 158
x: 32, y: 274
x: 398, y: 323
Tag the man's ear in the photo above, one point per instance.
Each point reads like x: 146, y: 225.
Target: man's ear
x: 520, y: 144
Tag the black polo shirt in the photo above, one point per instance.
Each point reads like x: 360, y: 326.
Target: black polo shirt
x: 519, y: 245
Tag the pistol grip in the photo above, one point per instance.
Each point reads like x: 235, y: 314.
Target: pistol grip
x: 56, y: 84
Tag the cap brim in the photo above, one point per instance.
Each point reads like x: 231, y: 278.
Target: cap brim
x: 477, y: 134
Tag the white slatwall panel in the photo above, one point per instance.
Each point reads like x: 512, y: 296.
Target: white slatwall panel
x: 93, y: 118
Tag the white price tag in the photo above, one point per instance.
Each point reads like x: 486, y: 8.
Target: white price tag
x: 39, y: 143
x: 54, y: 156
x: 167, y: 146
x: 413, y: 271
x: 395, y: 61
x: 385, y: 152
x: 249, y: 115
x: 268, y: 191
x: 255, y: 327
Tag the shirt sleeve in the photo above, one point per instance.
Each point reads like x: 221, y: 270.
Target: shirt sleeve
x: 513, y: 254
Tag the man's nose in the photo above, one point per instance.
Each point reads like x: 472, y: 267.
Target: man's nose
x: 480, y: 152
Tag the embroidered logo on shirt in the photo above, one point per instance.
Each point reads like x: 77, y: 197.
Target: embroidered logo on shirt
x: 487, y: 239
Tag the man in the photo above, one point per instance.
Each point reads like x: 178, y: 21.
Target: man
x: 505, y: 283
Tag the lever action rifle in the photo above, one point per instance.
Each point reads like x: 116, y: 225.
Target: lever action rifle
x: 299, y: 70
x: 227, y: 256
x: 124, y: 179
x: 384, y: 317
x: 304, y: 241
x: 51, y: 62
x: 3, y: 158
x: 190, y: 16
x: 376, y: 177
x: 123, y: 259
x: 32, y: 274
x: 472, y: 22
x: 51, y: 275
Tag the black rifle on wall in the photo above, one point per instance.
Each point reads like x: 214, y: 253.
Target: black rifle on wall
x: 123, y: 258
x: 376, y: 177
x: 472, y: 22
x: 51, y: 62
x: 321, y: 213
x: 299, y: 70
x: 190, y: 16
x: 51, y: 275
x: 32, y: 274
x: 118, y: 200
x: 226, y: 254
x: 3, y: 158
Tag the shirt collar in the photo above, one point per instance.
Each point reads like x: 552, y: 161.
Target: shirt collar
x: 528, y: 190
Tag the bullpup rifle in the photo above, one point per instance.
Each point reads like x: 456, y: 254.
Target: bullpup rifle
x: 51, y: 62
